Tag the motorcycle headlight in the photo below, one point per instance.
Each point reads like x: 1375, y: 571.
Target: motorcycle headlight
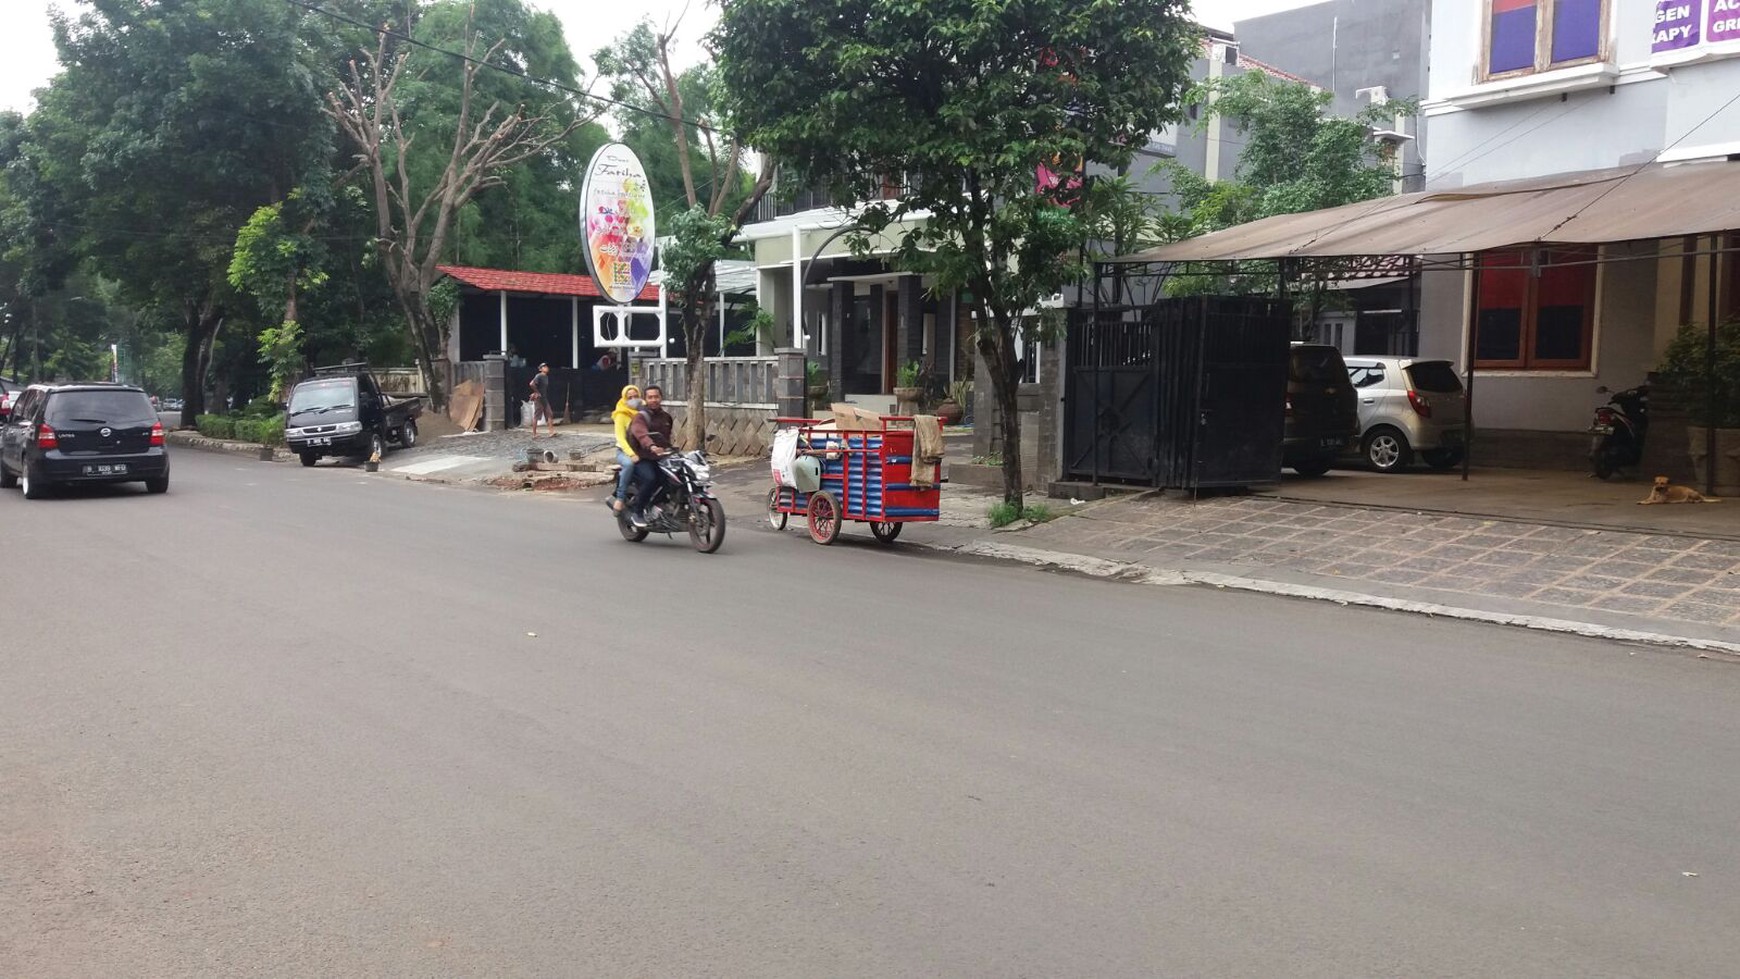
x: 702, y: 471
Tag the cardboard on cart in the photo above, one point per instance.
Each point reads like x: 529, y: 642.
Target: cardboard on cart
x: 851, y: 418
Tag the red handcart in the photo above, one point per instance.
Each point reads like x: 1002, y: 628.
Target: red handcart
x: 866, y: 476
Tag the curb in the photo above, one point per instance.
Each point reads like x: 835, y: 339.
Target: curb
x: 193, y: 440
x: 1106, y: 570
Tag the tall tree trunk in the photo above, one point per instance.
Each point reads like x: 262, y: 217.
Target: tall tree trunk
x: 697, y: 313
x: 200, y: 323
x: 997, y: 347
x: 417, y: 321
x: 695, y: 379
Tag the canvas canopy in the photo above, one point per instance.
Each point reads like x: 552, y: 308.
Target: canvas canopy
x: 1591, y: 207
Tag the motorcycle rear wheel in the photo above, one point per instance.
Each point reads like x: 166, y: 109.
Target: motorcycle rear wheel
x: 630, y: 533
x: 706, y: 524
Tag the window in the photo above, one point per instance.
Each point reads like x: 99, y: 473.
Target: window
x: 1365, y: 376
x: 1536, y: 315
x: 1536, y: 35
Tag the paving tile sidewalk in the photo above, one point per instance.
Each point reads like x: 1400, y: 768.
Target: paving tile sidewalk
x: 1670, y: 584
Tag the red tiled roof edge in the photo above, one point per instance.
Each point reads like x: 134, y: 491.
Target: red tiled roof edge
x: 537, y: 283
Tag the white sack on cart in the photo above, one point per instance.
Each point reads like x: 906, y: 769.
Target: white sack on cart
x: 785, y: 450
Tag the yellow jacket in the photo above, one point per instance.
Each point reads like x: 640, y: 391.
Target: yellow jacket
x: 620, y: 417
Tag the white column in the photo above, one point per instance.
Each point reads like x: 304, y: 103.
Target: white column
x: 504, y: 344
x: 797, y: 289
x: 574, y: 316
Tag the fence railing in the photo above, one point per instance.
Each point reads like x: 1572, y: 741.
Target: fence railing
x: 747, y: 382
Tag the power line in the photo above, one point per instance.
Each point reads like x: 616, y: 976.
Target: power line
x: 384, y: 31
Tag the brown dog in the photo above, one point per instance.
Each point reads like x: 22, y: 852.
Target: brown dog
x: 1666, y: 492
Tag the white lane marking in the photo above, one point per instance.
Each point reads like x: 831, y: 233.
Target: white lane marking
x: 437, y: 464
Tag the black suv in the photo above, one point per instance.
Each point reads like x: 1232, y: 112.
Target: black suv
x: 82, y: 433
x: 1322, y: 412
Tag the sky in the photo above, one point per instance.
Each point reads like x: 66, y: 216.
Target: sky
x: 27, y: 58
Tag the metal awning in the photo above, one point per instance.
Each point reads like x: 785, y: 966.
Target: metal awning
x: 1591, y: 207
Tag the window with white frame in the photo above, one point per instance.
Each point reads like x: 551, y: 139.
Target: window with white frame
x: 1524, y: 36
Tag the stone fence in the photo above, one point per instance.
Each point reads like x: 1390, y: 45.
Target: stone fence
x: 744, y: 395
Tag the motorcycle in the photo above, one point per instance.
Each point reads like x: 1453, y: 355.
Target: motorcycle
x: 683, y: 502
x: 1616, y: 435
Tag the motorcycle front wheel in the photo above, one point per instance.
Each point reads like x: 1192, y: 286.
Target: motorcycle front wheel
x: 706, y: 524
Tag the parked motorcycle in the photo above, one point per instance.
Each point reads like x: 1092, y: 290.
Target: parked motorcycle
x: 683, y: 502
x: 1616, y: 435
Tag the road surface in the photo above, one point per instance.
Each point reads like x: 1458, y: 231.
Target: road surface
x: 288, y: 722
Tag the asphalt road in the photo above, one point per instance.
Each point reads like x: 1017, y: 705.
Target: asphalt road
x: 287, y: 722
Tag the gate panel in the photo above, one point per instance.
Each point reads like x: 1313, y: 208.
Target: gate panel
x: 1182, y: 393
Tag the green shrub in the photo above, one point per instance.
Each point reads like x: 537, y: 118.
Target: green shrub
x: 261, y: 407
x: 265, y: 431
x: 216, y: 426
x: 1003, y: 514
x: 1682, y: 374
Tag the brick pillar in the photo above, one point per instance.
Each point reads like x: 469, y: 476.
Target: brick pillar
x: 495, y: 403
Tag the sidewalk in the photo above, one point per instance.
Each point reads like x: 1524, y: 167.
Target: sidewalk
x: 1674, y: 588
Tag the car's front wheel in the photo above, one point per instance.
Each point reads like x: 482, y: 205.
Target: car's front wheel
x: 1313, y: 467
x: 308, y: 458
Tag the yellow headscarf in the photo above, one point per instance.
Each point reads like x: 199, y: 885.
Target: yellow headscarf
x: 620, y: 418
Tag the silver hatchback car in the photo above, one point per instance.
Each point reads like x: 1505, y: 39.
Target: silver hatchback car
x: 1408, y: 406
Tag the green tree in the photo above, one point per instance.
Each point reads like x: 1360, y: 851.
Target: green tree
x: 431, y: 133
x: 965, y: 99
x: 716, y: 196
x: 1297, y: 157
x: 170, y: 123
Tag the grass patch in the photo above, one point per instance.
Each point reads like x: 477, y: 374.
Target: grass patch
x: 990, y: 460
x: 1004, y: 513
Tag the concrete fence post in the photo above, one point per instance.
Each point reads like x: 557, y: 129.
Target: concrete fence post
x: 495, y: 392
x: 790, y: 392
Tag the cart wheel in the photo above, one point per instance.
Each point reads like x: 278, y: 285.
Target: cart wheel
x: 886, y: 531
x: 775, y: 516
x: 824, y: 517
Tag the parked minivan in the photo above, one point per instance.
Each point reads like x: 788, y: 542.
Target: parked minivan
x: 1409, y: 406
x: 1322, y: 420
x: 82, y: 433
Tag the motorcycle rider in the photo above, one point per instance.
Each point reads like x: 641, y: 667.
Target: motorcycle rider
x: 650, y: 435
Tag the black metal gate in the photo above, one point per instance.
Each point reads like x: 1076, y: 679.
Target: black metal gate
x: 1182, y: 393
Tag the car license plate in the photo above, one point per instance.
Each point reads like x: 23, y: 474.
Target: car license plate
x: 321, y: 440
x: 1333, y: 443
x: 1601, y: 430
x: 114, y: 469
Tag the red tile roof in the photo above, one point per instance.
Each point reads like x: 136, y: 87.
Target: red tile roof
x: 537, y: 283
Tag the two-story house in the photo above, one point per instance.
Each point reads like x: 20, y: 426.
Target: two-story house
x: 1545, y: 89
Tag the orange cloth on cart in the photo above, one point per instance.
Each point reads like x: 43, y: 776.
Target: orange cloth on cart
x: 927, y: 450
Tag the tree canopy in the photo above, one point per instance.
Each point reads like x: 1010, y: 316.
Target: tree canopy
x: 963, y: 103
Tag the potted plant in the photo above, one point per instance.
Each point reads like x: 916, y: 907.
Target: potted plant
x: 906, y: 387
x: 1711, y: 397
x: 816, y: 386
x: 954, y: 404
